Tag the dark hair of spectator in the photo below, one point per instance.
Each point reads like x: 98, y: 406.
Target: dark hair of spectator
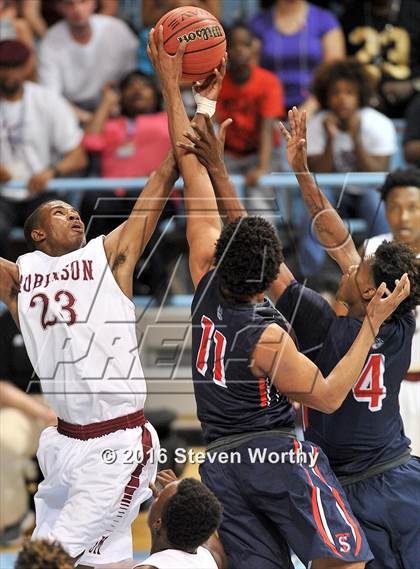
x: 13, y: 53
x: 239, y: 25
x: 42, y: 554
x: 191, y: 515
x: 32, y: 222
x: 248, y: 256
x: 349, y: 70
x: 391, y: 261
x: 149, y: 80
x: 399, y: 179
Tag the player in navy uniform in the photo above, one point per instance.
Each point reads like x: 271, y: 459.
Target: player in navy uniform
x: 364, y: 439
x: 245, y: 365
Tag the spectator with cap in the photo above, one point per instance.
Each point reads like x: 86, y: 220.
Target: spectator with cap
x: 39, y: 138
x: 81, y: 53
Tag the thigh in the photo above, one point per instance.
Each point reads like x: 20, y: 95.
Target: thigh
x: 104, y: 496
x: 304, y: 500
x: 409, y: 408
x: 248, y: 537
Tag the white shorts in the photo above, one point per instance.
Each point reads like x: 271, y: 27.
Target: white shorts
x: 409, y: 409
x: 93, y: 490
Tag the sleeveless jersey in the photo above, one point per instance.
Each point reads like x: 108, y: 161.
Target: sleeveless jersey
x: 79, y: 330
x: 230, y: 399
x: 176, y: 559
x: 367, y: 429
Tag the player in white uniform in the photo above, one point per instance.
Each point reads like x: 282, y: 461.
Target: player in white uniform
x: 73, y: 305
x: 182, y: 522
x: 401, y: 194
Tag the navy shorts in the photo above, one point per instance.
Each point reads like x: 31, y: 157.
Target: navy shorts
x: 270, y: 506
x: 388, y: 509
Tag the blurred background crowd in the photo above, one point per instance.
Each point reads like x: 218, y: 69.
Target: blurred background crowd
x: 78, y: 99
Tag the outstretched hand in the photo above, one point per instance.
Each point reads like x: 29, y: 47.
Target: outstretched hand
x: 163, y: 478
x: 168, y: 67
x: 296, y: 153
x: 380, y: 309
x: 212, y: 85
x: 206, y: 145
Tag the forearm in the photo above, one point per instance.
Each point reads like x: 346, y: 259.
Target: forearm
x: 11, y: 396
x: 72, y: 162
x: 97, y: 123
x: 266, y: 145
x: 328, y: 225
x: 365, y: 162
x: 345, y: 374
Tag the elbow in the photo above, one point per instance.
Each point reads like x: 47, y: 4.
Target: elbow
x: 332, y: 404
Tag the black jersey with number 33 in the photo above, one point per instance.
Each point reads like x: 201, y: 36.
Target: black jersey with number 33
x: 230, y: 399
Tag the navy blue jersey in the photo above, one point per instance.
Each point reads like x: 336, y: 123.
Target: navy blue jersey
x: 230, y: 399
x: 367, y: 429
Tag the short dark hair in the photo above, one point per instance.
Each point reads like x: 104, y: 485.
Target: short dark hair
x: 248, y: 256
x: 391, y: 261
x: 400, y: 178
x: 238, y: 25
x: 149, y: 80
x: 191, y: 515
x: 13, y: 53
x: 42, y: 554
x: 347, y: 70
x: 32, y: 222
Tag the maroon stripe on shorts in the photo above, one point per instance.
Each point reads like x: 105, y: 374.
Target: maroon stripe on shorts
x: 95, y: 430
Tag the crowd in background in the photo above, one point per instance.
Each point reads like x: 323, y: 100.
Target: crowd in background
x: 78, y: 98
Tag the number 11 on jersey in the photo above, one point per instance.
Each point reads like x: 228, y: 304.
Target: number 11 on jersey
x: 208, y: 337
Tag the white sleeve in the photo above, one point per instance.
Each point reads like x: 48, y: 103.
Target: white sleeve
x: 66, y: 134
x: 381, y: 137
x: 49, y: 67
x: 316, y: 137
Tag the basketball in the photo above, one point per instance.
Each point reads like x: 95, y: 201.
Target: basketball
x: 204, y: 35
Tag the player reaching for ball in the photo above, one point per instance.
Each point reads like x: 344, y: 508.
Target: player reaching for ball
x: 72, y: 302
x: 364, y: 439
x: 245, y: 365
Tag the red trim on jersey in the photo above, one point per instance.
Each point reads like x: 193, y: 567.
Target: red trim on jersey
x: 413, y: 376
x: 263, y: 391
x: 305, y: 417
x: 95, y: 430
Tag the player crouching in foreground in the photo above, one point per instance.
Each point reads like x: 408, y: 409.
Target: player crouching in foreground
x: 245, y: 365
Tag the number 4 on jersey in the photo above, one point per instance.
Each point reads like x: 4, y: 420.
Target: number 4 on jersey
x: 219, y: 340
x: 370, y: 386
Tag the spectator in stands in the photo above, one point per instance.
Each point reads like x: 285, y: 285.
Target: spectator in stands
x: 401, y: 194
x: 81, y: 53
x: 385, y: 36
x: 253, y: 98
x: 412, y: 132
x: 41, y: 14
x: 43, y: 554
x: 39, y: 138
x: 296, y: 37
x: 22, y: 418
x: 347, y: 136
x: 12, y: 27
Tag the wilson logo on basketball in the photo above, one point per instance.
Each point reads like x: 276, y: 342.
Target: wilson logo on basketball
x: 203, y: 34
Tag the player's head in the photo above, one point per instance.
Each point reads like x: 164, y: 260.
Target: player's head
x: 76, y: 12
x: 42, y: 554
x: 342, y: 87
x: 55, y: 228
x: 185, y: 514
x: 14, y: 66
x: 139, y: 95
x: 390, y: 261
x: 248, y: 256
x: 239, y: 41
x: 401, y: 194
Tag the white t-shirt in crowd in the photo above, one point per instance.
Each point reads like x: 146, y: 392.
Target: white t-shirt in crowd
x: 176, y: 559
x: 36, y: 131
x: 377, y: 133
x: 79, y: 71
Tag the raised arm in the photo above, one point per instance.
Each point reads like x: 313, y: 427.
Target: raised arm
x: 330, y: 229
x: 9, y: 286
x: 203, y: 222
x: 125, y: 245
x: 296, y: 376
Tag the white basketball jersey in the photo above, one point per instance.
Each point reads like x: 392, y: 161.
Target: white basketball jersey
x: 175, y: 559
x: 79, y: 330
x: 370, y: 247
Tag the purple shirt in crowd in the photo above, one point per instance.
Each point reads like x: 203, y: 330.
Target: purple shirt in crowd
x: 293, y: 58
